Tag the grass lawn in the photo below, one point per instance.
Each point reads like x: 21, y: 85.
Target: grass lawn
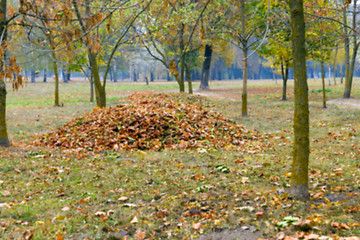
x: 57, y: 194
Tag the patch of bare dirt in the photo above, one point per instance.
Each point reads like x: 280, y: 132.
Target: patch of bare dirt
x: 345, y: 103
x: 239, y: 234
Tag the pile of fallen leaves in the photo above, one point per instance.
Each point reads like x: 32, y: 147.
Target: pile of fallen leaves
x: 151, y: 122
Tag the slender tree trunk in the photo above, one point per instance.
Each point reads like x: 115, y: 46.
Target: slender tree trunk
x: 329, y: 75
x: 323, y: 84
x: 4, y: 139
x: 55, y: 69
x: 33, y: 75
x: 115, y: 75
x: 188, y: 78
x: 205, y: 73
x: 300, y: 164
x: 285, y: 76
x: 91, y: 88
x: 244, y: 105
x: 348, y: 78
x: 151, y: 76
x: 334, y: 64
x: 341, y: 75
x: 45, y: 75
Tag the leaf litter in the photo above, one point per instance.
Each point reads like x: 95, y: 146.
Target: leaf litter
x: 153, y: 122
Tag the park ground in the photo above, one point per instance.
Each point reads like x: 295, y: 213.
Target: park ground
x: 49, y: 193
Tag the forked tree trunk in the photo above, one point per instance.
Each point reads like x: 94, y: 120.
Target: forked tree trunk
x: 300, y: 163
x: 204, y: 84
x: 323, y: 85
x: 99, y: 89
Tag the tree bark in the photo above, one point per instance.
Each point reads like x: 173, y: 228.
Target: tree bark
x: 204, y: 84
x: 323, y: 84
x: 45, y: 75
x: 349, y: 70
x: 334, y: 64
x: 4, y: 139
x: 188, y: 78
x: 33, y: 75
x: 56, y: 75
x: 285, y: 76
x: 300, y: 163
x: 244, y: 107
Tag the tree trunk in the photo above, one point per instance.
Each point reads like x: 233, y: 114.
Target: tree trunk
x: 205, y: 73
x: 68, y: 75
x: 341, y: 75
x: 334, y: 64
x: 182, y: 74
x: 300, y: 164
x: 115, y: 76
x: 285, y: 76
x: 4, y: 139
x: 188, y: 78
x: 244, y: 107
x: 45, y: 75
x: 349, y: 79
x: 323, y: 84
x: 99, y: 89
x: 91, y: 88
x: 55, y: 69
x: 152, y: 76
x: 33, y: 75
x: 329, y: 75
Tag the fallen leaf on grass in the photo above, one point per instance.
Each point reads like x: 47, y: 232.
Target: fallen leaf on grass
x: 196, y: 226
x: 134, y: 220
x: 140, y: 235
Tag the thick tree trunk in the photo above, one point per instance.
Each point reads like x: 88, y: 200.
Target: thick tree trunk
x: 349, y: 79
x: 323, y: 84
x: 300, y: 164
x: 348, y: 68
x: 205, y: 73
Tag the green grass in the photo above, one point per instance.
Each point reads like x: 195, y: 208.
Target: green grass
x: 51, y: 192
